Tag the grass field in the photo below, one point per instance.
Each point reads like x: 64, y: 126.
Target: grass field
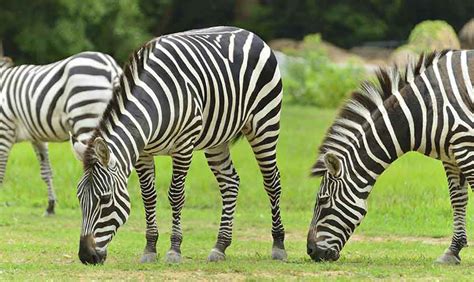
x: 408, y: 225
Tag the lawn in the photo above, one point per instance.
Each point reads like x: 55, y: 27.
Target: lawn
x: 408, y: 225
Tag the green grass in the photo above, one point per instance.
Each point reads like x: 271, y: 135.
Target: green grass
x: 408, y: 225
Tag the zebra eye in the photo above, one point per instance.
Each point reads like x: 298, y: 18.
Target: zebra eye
x: 322, y: 200
x: 105, y: 198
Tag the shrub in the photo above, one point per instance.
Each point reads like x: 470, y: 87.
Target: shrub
x: 310, y: 78
x: 426, y: 36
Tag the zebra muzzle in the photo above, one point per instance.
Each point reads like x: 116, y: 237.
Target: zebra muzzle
x: 319, y: 254
x: 88, y: 254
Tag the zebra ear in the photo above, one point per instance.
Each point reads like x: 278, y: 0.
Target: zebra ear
x: 102, y: 151
x: 78, y: 147
x: 333, y: 164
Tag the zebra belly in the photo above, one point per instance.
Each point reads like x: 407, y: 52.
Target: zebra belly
x: 22, y: 133
x: 61, y: 134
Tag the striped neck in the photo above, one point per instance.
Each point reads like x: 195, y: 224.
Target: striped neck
x: 402, y: 123
x: 125, y: 150
x: 121, y: 128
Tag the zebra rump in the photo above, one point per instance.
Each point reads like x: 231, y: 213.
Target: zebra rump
x: 47, y: 103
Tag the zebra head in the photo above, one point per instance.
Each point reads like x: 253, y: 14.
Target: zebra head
x: 104, y: 200
x: 339, y: 209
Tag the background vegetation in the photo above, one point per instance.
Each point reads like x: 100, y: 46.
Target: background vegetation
x: 42, y: 31
x: 311, y: 78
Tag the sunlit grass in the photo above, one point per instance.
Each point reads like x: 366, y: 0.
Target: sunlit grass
x: 410, y: 200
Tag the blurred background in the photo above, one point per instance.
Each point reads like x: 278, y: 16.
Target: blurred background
x: 324, y: 47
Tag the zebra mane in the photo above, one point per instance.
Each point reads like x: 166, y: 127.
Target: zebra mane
x: 366, y: 100
x: 135, y: 61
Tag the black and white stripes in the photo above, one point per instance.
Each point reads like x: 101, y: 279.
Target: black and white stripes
x: 430, y: 111
x: 44, y: 103
x: 180, y: 93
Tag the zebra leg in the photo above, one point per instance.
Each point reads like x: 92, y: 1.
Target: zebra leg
x: 41, y: 150
x: 145, y: 168
x: 221, y: 165
x: 459, y: 197
x: 263, y: 144
x: 181, y: 163
x: 6, y: 143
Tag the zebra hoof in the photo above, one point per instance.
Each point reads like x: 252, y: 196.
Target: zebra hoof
x: 449, y: 258
x: 148, y: 258
x: 279, y: 254
x: 173, y: 257
x: 49, y: 213
x: 216, y: 255
x: 50, y: 210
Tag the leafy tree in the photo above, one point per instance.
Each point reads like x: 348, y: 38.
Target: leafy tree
x: 48, y: 30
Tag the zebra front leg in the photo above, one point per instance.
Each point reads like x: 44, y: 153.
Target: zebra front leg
x: 41, y: 150
x: 181, y: 163
x: 459, y: 197
x: 264, y: 148
x: 145, y: 168
x: 221, y: 165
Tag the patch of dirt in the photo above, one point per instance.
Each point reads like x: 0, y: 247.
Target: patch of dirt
x: 404, y: 239
x: 200, y: 275
x: 336, y: 54
x: 254, y: 234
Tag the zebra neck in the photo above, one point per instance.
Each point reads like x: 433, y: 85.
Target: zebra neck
x: 400, y: 126
x: 122, y: 149
x: 388, y: 136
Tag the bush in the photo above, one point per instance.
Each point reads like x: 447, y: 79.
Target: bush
x: 310, y: 78
x: 426, y: 36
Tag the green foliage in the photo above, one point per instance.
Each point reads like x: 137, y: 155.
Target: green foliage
x: 312, y: 79
x: 168, y: 16
x: 426, y: 37
x: 53, y: 29
x: 431, y: 35
x: 43, y: 31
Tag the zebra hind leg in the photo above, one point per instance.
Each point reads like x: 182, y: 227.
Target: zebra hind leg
x: 176, y: 197
x: 264, y: 147
x: 6, y: 143
x: 458, y: 196
x: 145, y: 168
x: 41, y: 150
x: 221, y: 165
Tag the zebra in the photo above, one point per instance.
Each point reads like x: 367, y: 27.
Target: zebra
x: 45, y: 103
x: 194, y: 90
x: 428, y: 110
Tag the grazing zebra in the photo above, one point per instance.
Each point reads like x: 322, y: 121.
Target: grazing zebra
x: 183, y: 92
x: 430, y: 111
x: 44, y: 103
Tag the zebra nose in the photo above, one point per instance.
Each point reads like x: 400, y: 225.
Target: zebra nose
x: 87, y: 252
x: 318, y: 254
x: 312, y: 250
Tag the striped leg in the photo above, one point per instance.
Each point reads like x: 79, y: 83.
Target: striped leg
x: 6, y: 143
x: 221, y: 165
x: 41, y: 150
x: 181, y: 163
x: 264, y: 147
x: 145, y: 168
x: 459, y: 197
